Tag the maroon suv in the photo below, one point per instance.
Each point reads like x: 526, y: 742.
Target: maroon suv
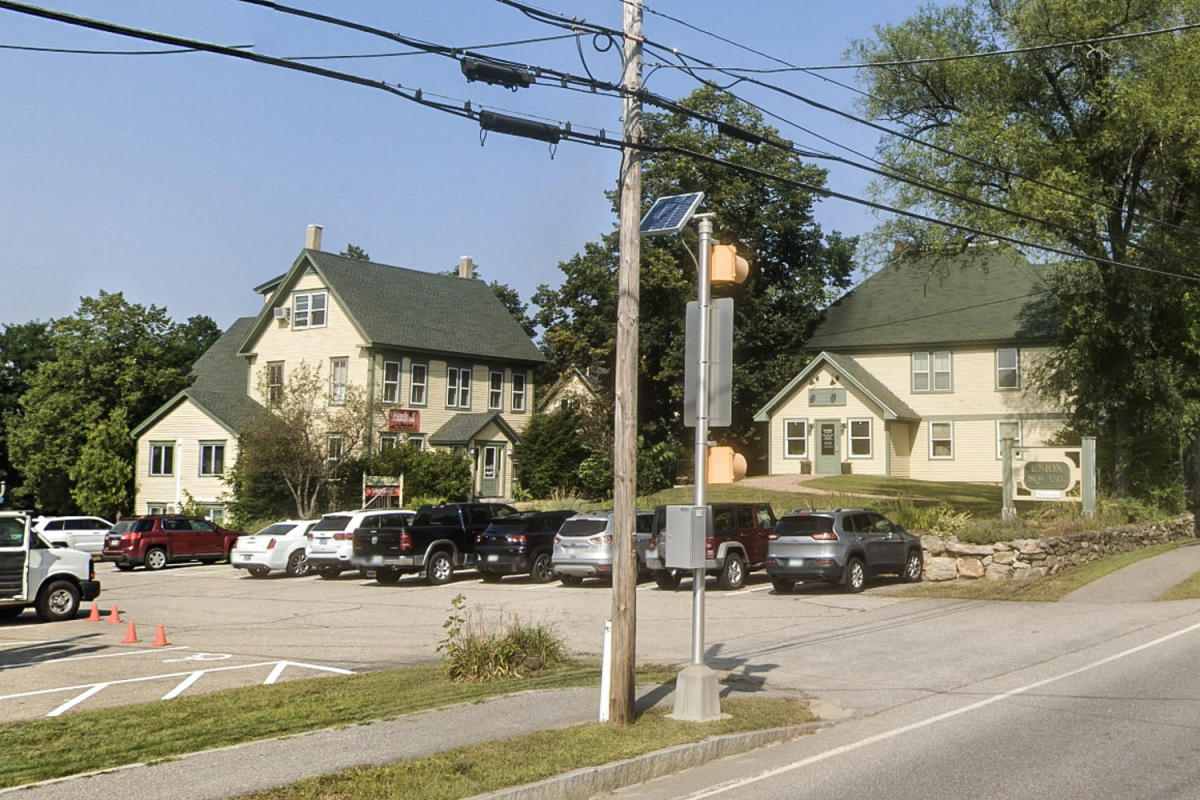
x: 159, y: 539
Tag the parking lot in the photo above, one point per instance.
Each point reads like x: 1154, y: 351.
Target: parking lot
x: 224, y: 628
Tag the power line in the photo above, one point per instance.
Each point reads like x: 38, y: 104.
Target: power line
x: 491, y: 46
x: 73, y: 51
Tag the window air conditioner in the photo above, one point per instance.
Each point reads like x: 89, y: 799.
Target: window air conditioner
x: 283, y: 312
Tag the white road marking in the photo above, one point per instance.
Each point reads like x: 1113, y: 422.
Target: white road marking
x: 89, y: 658
x: 184, y: 684
x: 67, y: 706
x: 32, y: 641
x: 743, y: 591
x: 894, y: 732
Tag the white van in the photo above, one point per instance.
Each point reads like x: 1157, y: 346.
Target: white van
x: 52, y: 580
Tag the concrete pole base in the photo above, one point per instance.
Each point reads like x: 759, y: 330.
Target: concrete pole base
x: 696, y: 696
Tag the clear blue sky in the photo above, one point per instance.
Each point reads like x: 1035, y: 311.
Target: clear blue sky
x: 184, y: 180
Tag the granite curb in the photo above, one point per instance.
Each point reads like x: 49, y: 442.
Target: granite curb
x: 591, y: 781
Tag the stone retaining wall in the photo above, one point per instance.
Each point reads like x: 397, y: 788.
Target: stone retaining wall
x: 946, y: 558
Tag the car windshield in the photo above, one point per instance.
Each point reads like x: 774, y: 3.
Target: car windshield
x: 133, y: 526
x: 332, y: 522
x: 804, y: 524
x: 278, y: 529
x: 583, y: 527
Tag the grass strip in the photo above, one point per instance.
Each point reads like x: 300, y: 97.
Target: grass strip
x: 491, y: 766
x: 34, y: 750
x: 1045, y: 589
x: 1187, y: 590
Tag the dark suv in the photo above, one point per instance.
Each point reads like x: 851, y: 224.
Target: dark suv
x: 843, y: 546
x: 159, y: 539
x: 519, y: 544
x: 738, y: 544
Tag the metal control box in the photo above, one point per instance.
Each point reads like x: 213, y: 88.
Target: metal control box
x: 686, y: 529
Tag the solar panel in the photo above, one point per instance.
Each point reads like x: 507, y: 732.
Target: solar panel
x: 670, y: 214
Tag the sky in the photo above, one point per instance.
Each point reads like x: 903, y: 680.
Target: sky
x: 184, y: 180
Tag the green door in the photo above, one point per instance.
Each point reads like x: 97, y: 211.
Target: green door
x: 829, y: 447
x: 489, y: 482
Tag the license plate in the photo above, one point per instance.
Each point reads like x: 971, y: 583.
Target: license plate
x: 376, y: 559
x: 246, y: 557
x: 493, y: 557
x: 795, y: 562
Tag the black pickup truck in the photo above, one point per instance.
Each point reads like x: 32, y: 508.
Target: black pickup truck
x: 439, y: 540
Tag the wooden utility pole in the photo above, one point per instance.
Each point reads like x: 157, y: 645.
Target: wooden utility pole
x: 624, y: 611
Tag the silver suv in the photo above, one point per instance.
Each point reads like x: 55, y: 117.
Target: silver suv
x: 583, y: 546
x: 843, y: 546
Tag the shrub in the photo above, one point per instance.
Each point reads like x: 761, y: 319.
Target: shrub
x: 477, y: 651
x: 942, y: 518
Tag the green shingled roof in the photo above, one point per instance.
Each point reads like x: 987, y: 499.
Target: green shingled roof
x: 462, y: 428
x: 988, y: 294
x: 408, y: 309
x: 218, y: 383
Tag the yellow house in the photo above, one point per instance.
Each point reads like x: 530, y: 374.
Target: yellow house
x: 919, y: 372
x: 448, y: 363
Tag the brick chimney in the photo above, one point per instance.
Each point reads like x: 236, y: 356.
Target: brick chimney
x: 466, y: 267
x: 312, y: 241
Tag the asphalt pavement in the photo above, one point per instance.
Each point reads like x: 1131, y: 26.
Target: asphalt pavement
x: 231, y: 771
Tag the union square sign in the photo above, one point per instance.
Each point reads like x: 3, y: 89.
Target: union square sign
x: 1050, y: 474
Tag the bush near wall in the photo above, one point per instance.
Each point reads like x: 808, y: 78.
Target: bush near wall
x: 946, y: 558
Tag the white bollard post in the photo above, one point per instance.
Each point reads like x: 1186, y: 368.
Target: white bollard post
x: 605, y: 670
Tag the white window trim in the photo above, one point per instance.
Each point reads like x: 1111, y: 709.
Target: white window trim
x: 414, y: 384
x: 155, y: 509
x: 337, y: 389
x: 460, y: 386
x: 302, y: 319
x: 518, y: 395
x: 850, y: 438
x: 216, y: 474
x: 417, y: 439
x: 931, y: 372
x: 1015, y: 369
x: 932, y: 457
x: 804, y: 426
x: 385, y: 384
x: 274, y: 388
x: 394, y: 438
x: 1017, y: 441
x: 150, y: 466
x: 496, y: 390
x: 329, y: 449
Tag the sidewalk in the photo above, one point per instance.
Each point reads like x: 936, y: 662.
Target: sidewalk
x: 1143, y: 581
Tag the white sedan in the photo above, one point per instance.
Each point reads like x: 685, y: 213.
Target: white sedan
x: 278, y: 546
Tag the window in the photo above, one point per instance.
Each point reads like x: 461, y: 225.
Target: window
x: 334, y: 447
x: 941, y: 440
x: 795, y: 438
x: 215, y: 514
x: 162, y: 458
x: 458, y: 387
x: 518, y: 391
x: 308, y: 310
x: 156, y: 508
x: 212, y: 458
x: 860, y: 438
x: 339, y: 370
x: 274, y: 383
x: 388, y: 441
x: 931, y: 372
x: 416, y: 441
x: 418, y: 377
x: 1007, y: 429
x: 496, y: 391
x: 1008, y: 368
x: 391, y: 382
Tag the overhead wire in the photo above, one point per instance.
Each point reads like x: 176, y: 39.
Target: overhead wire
x: 76, y: 51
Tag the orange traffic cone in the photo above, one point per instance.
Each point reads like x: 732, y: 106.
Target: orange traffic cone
x: 130, y: 635
x: 160, y: 637
x: 94, y: 614
x: 114, y: 616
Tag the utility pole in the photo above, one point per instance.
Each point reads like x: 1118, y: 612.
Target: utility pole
x: 624, y: 611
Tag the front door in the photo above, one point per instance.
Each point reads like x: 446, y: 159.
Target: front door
x: 829, y: 447
x: 489, y: 481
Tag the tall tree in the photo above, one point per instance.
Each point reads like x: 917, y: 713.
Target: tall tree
x: 22, y: 349
x: 1096, y: 145
x: 111, y: 354
x: 355, y: 252
x: 796, y: 270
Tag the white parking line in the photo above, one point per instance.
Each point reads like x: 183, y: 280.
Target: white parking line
x: 744, y: 591
x: 32, y: 641
x: 99, y: 655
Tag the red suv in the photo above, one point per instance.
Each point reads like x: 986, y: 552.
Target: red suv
x: 157, y: 540
x: 738, y: 544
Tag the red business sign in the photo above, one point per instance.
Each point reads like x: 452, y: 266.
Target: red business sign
x: 403, y: 419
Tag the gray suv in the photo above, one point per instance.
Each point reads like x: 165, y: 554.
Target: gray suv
x: 843, y: 546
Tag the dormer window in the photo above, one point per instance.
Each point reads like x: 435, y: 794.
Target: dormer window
x: 308, y: 310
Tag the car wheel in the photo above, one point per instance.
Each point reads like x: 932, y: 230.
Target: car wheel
x: 668, y: 579
x: 259, y: 572
x: 913, y: 566
x: 124, y: 567
x: 540, y: 571
x: 58, y: 601
x: 782, y: 585
x: 440, y: 569
x: 329, y: 572
x: 855, y: 579
x: 571, y: 580
x: 490, y: 577
x: 387, y: 576
x: 733, y: 574
x: 297, y: 564
x: 156, y: 558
